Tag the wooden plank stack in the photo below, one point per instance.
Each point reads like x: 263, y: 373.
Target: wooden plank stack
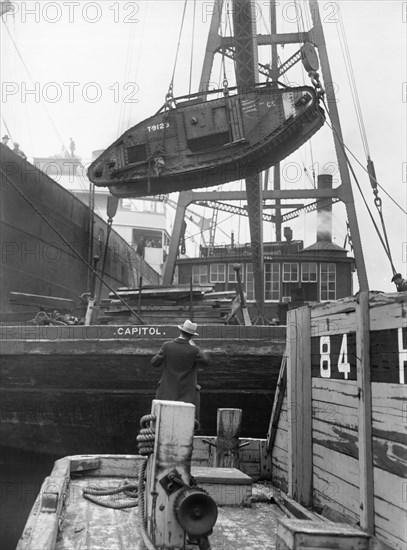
x: 168, y: 305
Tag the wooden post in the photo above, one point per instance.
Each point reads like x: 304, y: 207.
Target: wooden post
x: 243, y: 305
x: 366, y: 486
x: 277, y: 404
x: 191, y: 300
x: 227, y: 442
x: 174, y: 430
x: 139, y: 294
x: 92, y: 294
x: 299, y: 405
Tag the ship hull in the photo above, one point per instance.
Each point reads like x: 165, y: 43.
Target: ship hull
x: 43, y: 228
x: 66, y: 389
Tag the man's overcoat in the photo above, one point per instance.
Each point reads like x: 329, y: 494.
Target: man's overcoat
x: 180, y: 361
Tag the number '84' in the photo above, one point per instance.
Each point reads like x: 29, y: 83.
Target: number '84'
x: 325, y: 357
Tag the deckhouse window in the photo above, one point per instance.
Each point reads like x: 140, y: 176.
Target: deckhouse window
x: 328, y: 281
x: 200, y: 274
x: 309, y: 272
x: 271, y: 282
x: 218, y: 273
x: 290, y: 273
x: 250, y: 297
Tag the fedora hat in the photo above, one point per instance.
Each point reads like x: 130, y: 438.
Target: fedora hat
x: 5, y: 137
x: 189, y: 327
x: 396, y: 276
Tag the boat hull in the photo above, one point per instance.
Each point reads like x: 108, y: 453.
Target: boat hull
x: 205, y: 143
x: 84, y: 389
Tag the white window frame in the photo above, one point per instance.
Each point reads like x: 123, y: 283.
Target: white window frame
x: 309, y: 272
x: 200, y: 274
x: 330, y: 294
x: 290, y: 279
x: 277, y: 281
x: 218, y: 274
x: 250, y: 290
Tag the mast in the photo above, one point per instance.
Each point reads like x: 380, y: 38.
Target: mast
x: 245, y: 42
x: 317, y: 34
x: 274, y: 77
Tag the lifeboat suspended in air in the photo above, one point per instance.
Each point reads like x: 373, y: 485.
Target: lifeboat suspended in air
x: 194, y: 142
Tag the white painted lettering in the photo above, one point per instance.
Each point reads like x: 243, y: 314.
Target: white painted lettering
x: 343, y: 365
x: 325, y: 360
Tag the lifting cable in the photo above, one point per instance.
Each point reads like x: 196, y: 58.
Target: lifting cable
x: 82, y: 259
x: 370, y: 167
x: 169, y: 95
x: 223, y: 64
x: 384, y: 241
x: 352, y: 82
x: 192, y: 48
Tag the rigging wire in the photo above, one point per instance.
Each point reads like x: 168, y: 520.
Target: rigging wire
x: 192, y: 47
x: 353, y: 86
x: 127, y: 69
x: 228, y: 25
x: 374, y: 179
x: 7, y: 129
x: 178, y: 46
x: 32, y: 80
x: 82, y: 184
x: 221, y: 230
x: 382, y: 240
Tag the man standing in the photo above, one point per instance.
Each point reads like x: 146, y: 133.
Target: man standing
x: 180, y: 359
x: 18, y: 151
x: 401, y: 284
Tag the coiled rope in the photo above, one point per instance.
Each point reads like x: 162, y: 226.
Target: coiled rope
x: 134, y: 493
x: 95, y: 494
x: 146, y: 436
x: 130, y: 491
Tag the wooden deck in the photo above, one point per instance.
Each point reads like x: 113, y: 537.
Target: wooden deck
x: 88, y: 526
x: 62, y: 519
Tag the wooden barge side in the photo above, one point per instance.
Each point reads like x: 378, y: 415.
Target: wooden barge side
x: 74, y: 390
x: 341, y: 439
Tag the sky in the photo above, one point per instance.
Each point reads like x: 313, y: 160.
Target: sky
x: 90, y: 70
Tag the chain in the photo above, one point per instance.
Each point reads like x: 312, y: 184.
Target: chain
x: 314, y: 76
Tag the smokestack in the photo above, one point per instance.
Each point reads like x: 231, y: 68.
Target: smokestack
x: 324, y: 211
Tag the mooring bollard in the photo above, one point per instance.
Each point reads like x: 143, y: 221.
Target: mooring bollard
x: 227, y: 442
x: 175, y: 510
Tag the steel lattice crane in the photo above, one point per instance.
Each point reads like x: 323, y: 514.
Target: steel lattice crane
x: 243, y: 47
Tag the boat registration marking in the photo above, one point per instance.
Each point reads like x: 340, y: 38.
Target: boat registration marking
x: 159, y: 126
x: 139, y: 331
x: 335, y: 356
